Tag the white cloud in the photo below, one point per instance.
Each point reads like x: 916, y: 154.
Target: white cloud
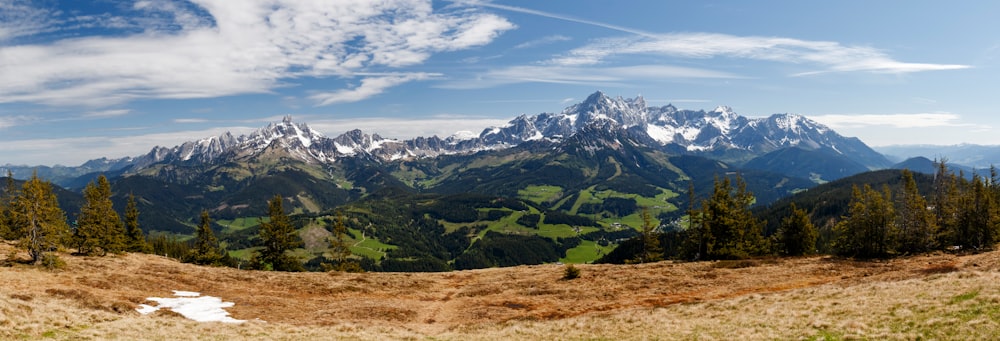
x: 831, y: 56
x: 406, y: 128
x: 920, y: 120
x: 243, y: 47
x: 609, y: 76
x: 107, y: 113
x: 19, y: 19
x: 542, y: 41
x: 369, y: 87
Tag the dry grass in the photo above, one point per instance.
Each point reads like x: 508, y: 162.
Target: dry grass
x: 938, y: 296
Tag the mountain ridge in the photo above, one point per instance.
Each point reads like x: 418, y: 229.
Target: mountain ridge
x: 719, y: 134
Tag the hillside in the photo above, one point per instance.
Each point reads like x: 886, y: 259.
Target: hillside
x: 938, y: 296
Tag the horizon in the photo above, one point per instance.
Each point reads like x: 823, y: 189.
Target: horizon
x: 115, y: 79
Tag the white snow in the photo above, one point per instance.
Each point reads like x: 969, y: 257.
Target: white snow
x: 463, y: 135
x: 343, y: 149
x: 660, y: 134
x: 193, y: 306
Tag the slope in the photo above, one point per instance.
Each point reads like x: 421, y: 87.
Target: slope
x: 935, y: 297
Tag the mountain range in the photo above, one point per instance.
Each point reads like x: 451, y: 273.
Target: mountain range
x: 719, y: 134
x: 562, y: 181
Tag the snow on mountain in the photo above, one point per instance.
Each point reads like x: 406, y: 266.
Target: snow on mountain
x: 720, y: 131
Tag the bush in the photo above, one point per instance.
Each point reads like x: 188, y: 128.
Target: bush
x: 571, y: 272
x: 52, y: 262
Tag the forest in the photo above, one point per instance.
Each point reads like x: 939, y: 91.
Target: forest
x: 910, y: 213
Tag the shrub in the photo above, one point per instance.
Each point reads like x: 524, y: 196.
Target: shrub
x: 52, y: 262
x: 571, y: 272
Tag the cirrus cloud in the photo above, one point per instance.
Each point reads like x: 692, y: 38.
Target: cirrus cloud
x: 919, y: 120
x: 227, y: 47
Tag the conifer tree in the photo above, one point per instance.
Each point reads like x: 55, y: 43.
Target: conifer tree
x: 977, y: 218
x: 698, y: 238
x: 6, y: 199
x: 99, y: 229
x: 36, y: 214
x: 868, y: 230
x: 278, y: 236
x: 650, y: 241
x: 734, y: 232
x: 917, y: 228
x: 945, y: 201
x: 136, y: 240
x: 796, y: 235
x: 206, y: 247
x: 339, y: 251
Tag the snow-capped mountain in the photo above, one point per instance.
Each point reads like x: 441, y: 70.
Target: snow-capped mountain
x: 720, y: 133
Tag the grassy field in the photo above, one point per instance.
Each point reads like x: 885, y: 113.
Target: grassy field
x: 588, y: 251
x: 540, y: 194
x: 240, y: 224
x: 940, y: 297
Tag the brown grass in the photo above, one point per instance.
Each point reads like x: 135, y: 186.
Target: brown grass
x: 938, y: 296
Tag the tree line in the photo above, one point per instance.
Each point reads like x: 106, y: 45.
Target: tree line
x: 31, y: 216
x: 958, y: 215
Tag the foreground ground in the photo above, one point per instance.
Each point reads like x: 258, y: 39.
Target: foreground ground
x: 939, y: 296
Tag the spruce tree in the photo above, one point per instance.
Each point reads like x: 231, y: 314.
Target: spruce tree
x: 698, y: 239
x: 99, y: 229
x: 868, y: 230
x: 734, y: 232
x: 977, y: 217
x: 945, y: 200
x: 917, y: 228
x: 796, y: 235
x: 136, y: 240
x: 649, y: 241
x: 6, y: 199
x: 339, y: 252
x: 278, y: 236
x: 206, y: 247
x: 36, y: 214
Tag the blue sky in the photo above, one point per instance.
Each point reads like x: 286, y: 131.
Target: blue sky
x: 86, y: 79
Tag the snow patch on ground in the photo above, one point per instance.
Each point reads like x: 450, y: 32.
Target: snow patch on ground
x: 193, y: 306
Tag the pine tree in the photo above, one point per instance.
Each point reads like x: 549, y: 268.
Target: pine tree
x: 868, y: 230
x: 6, y: 199
x: 649, y: 240
x: 698, y: 239
x: 99, y: 228
x: 278, y: 236
x: 206, y: 247
x: 977, y: 217
x: 339, y: 251
x: 945, y: 201
x: 917, y: 228
x: 734, y: 232
x: 796, y: 235
x: 36, y: 214
x: 136, y: 240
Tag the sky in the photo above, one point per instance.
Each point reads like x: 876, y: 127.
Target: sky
x: 81, y: 80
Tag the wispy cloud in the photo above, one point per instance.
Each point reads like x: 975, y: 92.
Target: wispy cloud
x: 239, y: 47
x: 920, y: 120
x: 597, y: 76
x: 516, y: 9
x: 542, y: 41
x: 829, y: 56
x: 405, y: 128
x: 369, y: 87
x: 19, y: 19
x: 107, y: 113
